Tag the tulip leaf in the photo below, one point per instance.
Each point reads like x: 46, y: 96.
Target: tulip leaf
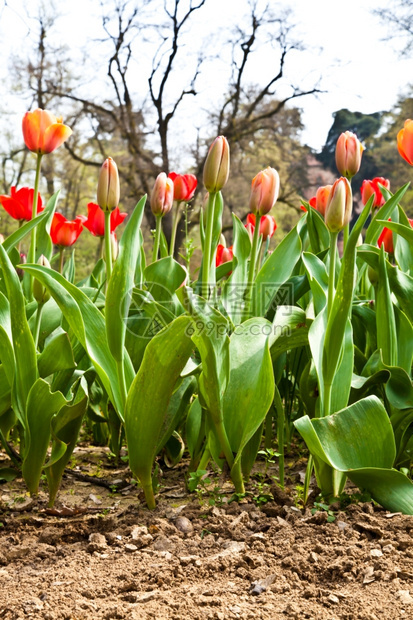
x: 42, y: 405
x: 146, y: 413
x: 385, y: 321
x: 163, y: 278
x: 404, y: 339
x: 177, y: 407
x: 234, y: 289
x: 318, y: 279
x: 359, y: 442
x: 290, y: 330
x: 250, y: 389
x: 317, y: 231
x: 23, y: 344
x: 65, y: 427
x: 44, y: 245
x: 88, y: 325
x: 195, y: 428
x: 57, y: 355
x: 376, y: 225
x: 121, y: 283
x: 401, y: 229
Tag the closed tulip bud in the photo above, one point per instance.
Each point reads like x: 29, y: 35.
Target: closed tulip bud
x: 368, y: 188
x: 321, y: 198
x: 162, y: 195
x: 405, y: 141
x: 339, y: 206
x: 40, y: 292
x: 108, y: 192
x: 1, y: 238
x: 216, y: 169
x: 265, y: 187
x: 348, y: 154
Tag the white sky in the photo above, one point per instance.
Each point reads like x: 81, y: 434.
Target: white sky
x: 359, y: 70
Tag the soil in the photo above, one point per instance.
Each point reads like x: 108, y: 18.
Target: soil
x: 100, y: 554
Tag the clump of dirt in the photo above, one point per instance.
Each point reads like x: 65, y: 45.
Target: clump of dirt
x: 103, y: 555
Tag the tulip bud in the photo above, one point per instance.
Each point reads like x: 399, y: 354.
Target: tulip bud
x: 216, y: 168
x: 321, y: 198
x: 348, y: 154
x: 339, y: 206
x: 108, y: 192
x: 222, y: 241
x: 40, y: 292
x: 264, y: 191
x: 1, y: 238
x: 162, y: 195
x: 115, y: 246
x: 405, y: 141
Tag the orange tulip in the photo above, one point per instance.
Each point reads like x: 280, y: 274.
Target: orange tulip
x: 348, y: 154
x: 43, y: 132
x: 321, y: 198
x: 405, y: 141
x: 264, y: 191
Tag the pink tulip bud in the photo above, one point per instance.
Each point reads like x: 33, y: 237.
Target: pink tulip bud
x: 339, y: 206
x: 265, y: 187
x: 216, y: 169
x: 162, y: 195
x: 108, y: 192
x: 348, y: 154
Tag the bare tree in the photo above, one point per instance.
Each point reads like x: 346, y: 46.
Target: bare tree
x: 397, y: 15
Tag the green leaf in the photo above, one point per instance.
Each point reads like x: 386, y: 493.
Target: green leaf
x: 376, y: 226
x: 42, y: 405
x: 275, y: 271
x: 57, y: 355
x: 146, y: 413
x: 234, y: 289
x: 120, y: 286
x: 317, y: 231
x: 318, y: 278
x: 359, y: 441
x: 44, y: 245
x: 290, y: 330
x: 195, y: 428
x: 250, y: 389
x: 13, y: 239
x: 385, y: 321
x: 23, y: 344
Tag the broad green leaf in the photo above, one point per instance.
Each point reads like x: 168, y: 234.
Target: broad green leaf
x: 376, y: 226
x: 250, y: 389
x: 195, y: 428
x: 404, y: 231
x: 65, y: 427
x: 318, y: 278
x: 120, y: 286
x: 23, y: 344
x: 234, y: 289
x: 289, y: 331
x: 88, y: 325
x: 359, y: 441
x: 403, y: 251
x: 69, y: 269
x: 317, y: 231
x: 385, y: 321
x: 340, y: 391
x: 44, y: 245
x: 42, y: 405
x: 404, y: 340
x: 275, y: 271
x: 163, y: 278
x: 146, y: 414
x: 177, y: 407
x: 57, y: 355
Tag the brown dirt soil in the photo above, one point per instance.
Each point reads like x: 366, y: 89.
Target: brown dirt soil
x: 103, y: 555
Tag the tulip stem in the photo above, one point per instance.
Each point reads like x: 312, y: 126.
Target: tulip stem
x: 175, y: 223
x: 206, y: 262
x: 252, y: 266
x: 122, y: 381
x: 61, y: 258
x: 157, y: 238
x: 346, y: 232
x: 237, y: 478
x: 37, y: 324
x: 332, y: 271
x: 32, y: 250
x: 108, y: 247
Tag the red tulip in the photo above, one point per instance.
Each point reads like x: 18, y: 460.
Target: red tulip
x: 265, y: 187
x: 65, y: 232
x: 405, y: 141
x: 95, y: 220
x: 43, y: 132
x: 348, y: 154
x: 386, y: 238
x: 184, y: 186
x: 368, y: 188
x: 267, y: 225
x: 321, y: 198
x: 311, y: 202
x: 223, y: 255
x: 19, y: 204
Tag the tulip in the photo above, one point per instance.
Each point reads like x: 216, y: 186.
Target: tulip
x: 20, y: 204
x: 40, y: 292
x: 321, y: 198
x: 43, y: 132
x: 162, y: 195
x: 95, y: 220
x: 64, y: 232
x: 311, y: 202
x: 216, y: 168
x: 348, y: 154
x: 223, y: 255
x: 265, y: 187
x: 368, y: 188
x: 405, y: 141
x: 108, y: 191
x: 184, y: 186
x: 267, y: 225
x: 339, y: 206
x: 386, y: 239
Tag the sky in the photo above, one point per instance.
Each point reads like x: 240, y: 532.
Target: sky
x: 344, y: 44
